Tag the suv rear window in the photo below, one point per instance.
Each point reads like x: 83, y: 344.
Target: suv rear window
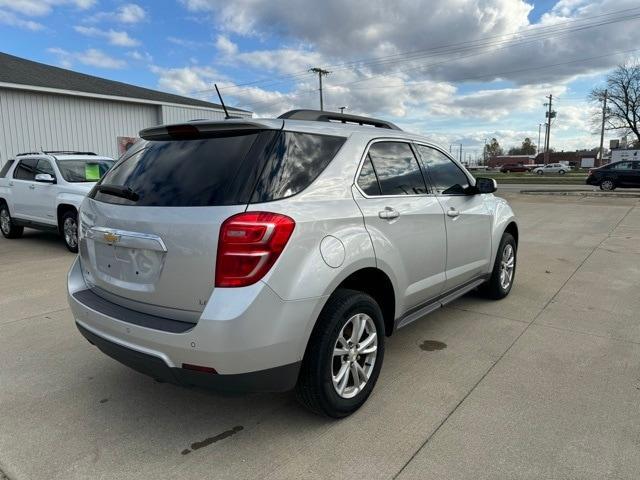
x: 5, y: 168
x: 229, y: 169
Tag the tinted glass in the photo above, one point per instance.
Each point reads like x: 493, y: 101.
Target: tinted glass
x: 397, y: 169
x: 5, y: 168
x: 295, y: 161
x: 26, y: 169
x: 189, y: 173
x: 83, y: 170
x: 446, y: 177
x: 367, y: 180
x: 44, y: 166
x: 622, y: 166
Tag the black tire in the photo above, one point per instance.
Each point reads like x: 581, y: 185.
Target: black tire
x: 315, y: 389
x: 494, y: 288
x: 8, y: 228
x: 562, y: 172
x: 539, y: 172
x: 607, y: 184
x: 70, y: 240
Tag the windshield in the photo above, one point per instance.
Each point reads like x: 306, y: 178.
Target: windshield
x: 86, y: 170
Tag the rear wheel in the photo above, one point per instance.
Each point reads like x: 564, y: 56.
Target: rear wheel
x: 504, y: 269
x: 7, y: 226
x: 70, y: 230
x: 562, y: 172
x: 607, y: 184
x: 344, y: 355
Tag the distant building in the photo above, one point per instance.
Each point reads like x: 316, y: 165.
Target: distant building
x: 50, y: 108
x: 574, y: 159
x: 501, y: 160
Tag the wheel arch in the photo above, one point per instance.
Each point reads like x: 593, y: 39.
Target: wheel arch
x: 377, y: 284
x: 61, y: 210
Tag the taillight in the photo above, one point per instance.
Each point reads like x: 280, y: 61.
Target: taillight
x: 249, y: 245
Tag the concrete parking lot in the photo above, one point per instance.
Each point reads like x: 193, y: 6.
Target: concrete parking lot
x: 543, y: 384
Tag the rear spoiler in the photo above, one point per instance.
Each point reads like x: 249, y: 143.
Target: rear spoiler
x: 208, y: 128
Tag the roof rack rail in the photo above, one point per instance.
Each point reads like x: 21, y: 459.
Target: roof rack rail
x: 322, y: 116
x: 28, y: 153
x: 66, y: 152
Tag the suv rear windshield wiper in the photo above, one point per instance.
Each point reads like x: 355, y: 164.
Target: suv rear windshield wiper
x: 118, y: 191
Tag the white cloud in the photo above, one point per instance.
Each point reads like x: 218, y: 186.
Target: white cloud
x: 140, y: 56
x: 114, y: 37
x: 129, y: 13
x: 226, y: 46
x: 43, y: 7
x: 9, y: 18
x: 92, y: 57
x: 186, y: 80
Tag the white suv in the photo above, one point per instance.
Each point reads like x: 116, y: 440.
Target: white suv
x: 44, y: 190
x: 268, y: 254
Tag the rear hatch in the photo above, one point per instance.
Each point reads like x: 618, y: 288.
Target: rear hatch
x: 149, y: 229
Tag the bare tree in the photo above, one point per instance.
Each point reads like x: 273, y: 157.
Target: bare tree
x: 623, y: 100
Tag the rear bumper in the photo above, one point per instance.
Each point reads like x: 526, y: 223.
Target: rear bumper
x: 253, y: 339
x: 271, y: 380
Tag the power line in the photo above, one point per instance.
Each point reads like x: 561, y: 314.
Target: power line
x: 545, y: 32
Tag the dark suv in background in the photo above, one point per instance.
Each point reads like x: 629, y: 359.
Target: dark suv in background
x: 625, y: 174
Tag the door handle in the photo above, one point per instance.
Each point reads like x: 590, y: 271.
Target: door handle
x: 452, y: 212
x: 32, y: 186
x: 388, y: 213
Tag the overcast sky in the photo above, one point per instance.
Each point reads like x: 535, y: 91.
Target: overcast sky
x: 454, y: 70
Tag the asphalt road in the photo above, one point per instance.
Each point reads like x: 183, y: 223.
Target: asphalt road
x: 515, y: 188
x: 543, y: 384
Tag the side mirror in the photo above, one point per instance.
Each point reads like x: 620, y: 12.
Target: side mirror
x: 486, y: 185
x: 45, y: 178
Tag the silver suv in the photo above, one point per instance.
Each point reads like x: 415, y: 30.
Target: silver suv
x: 268, y: 254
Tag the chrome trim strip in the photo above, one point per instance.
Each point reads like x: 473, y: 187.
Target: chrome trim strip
x: 127, y: 239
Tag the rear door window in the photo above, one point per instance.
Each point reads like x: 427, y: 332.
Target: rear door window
x: 396, y: 169
x: 5, y: 168
x: 26, y: 169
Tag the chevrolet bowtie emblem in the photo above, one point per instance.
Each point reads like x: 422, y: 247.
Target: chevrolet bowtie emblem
x: 111, y: 237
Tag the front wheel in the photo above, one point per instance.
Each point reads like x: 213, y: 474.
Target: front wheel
x: 344, y: 355
x: 539, y: 172
x: 504, y: 269
x: 7, y: 226
x: 70, y: 230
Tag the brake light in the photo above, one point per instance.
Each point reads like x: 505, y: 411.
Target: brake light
x: 248, y: 246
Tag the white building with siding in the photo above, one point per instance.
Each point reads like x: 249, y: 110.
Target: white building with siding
x: 49, y: 108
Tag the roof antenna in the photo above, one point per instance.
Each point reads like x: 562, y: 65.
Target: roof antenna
x: 226, y: 114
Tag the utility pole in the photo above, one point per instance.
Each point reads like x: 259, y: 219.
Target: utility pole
x: 604, y: 115
x: 460, y: 158
x: 549, y: 114
x: 484, y: 152
x: 538, y: 144
x: 342, y: 109
x: 321, y: 72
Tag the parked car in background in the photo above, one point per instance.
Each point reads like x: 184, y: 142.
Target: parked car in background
x: 286, y: 261
x: 512, y: 167
x: 558, y: 168
x: 43, y: 190
x: 625, y: 174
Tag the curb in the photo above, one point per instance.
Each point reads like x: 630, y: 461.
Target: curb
x: 580, y: 193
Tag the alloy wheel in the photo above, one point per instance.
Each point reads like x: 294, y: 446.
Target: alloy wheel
x: 607, y: 185
x: 354, y: 355
x: 5, y: 221
x: 507, y: 265
x: 70, y: 229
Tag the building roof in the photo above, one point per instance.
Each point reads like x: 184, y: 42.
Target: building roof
x: 20, y: 71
